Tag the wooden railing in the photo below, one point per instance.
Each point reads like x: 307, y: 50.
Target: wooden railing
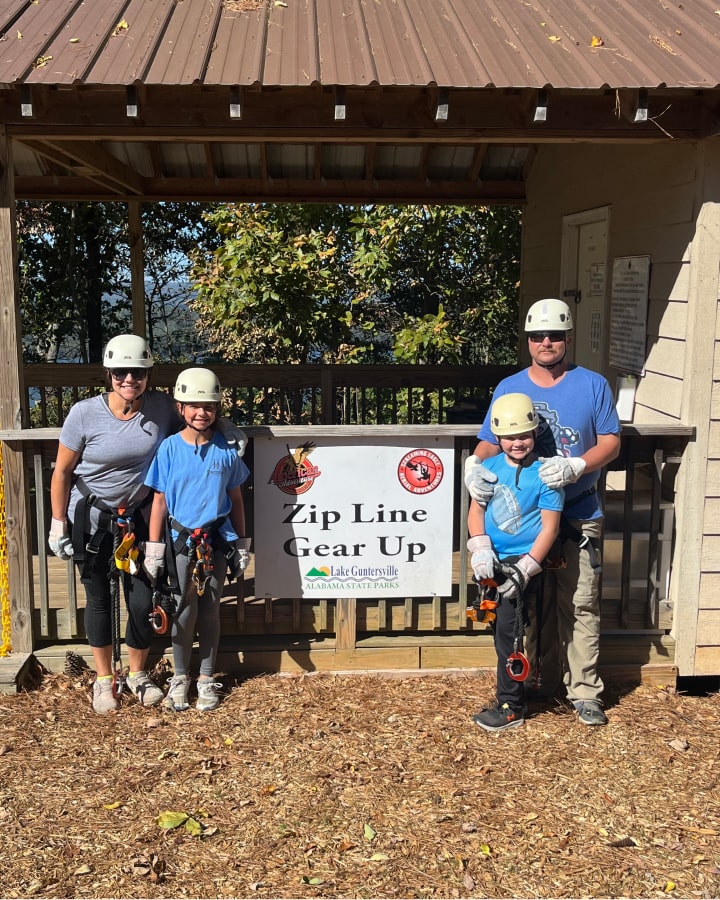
x: 638, y: 546
x: 297, y: 394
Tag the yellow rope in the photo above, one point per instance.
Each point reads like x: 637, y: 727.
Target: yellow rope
x: 5, y: 630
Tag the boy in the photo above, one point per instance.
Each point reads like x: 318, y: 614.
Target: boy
x: 198, y: 510
x: 514, y: 533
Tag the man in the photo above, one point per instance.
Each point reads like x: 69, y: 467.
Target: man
x: 579, y: 434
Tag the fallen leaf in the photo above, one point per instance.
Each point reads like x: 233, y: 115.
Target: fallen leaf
x: 468, y: 882
x: 596, y: 41
x: 485, y: 850
x: 83, y: 870
x: 308, y: 880
x: 170, y: 820
x: 669, y: 886
x: 679, y: 744
x: 74, y: 40
x: 19, y: 34
x: 116, y: 805
x: 553, y: 38
x: 369, y: 832
x: 379, y: 857
x: 121, y: 26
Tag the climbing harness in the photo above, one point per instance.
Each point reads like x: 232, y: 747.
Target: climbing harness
x: 199, y: 545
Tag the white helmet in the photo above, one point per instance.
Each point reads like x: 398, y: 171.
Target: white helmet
x: 128, y: 350
x: 513, y: 414
x: 549, y: 315
x: 197, y: 386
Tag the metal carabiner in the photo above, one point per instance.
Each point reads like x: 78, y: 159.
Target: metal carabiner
x: 518, y: 666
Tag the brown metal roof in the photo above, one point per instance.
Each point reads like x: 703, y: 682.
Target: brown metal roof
x: 340, y: 100
x: 449, y: 43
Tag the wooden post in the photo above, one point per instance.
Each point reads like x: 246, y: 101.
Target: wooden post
x: 137, y: 268
x: 13, y: 414
x: 346, y: 624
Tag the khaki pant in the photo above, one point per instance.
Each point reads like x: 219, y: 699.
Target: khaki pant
x: 570, y: 637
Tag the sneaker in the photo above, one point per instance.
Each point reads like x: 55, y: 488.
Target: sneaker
x: 497, y: 717
x: 177, y: 695
x: 147, y: 692
x: 103, y: 699
x: 208, y: 696
x: 590, y: 712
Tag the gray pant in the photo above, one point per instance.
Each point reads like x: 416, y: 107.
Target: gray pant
x: 570, y: 641
x: 203, y: 612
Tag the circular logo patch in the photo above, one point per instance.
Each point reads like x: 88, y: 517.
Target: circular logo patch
x: 420, y: 471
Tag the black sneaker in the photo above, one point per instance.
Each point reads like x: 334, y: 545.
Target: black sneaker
x: 590, y: 712
x: 497, y: 718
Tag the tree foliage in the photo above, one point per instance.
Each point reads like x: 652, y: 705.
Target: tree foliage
x: 360, y: 284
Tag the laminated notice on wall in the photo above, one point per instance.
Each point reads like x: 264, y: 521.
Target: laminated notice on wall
x: 628, y: 312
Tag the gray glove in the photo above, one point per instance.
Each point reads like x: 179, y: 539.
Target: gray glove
x: 483, y: 559
x: 557, y: 471
x: 479, y: 481
x: 235, y: 437
x: 154, y: 562
x: 242, y: 554
x: 58, y: 539
x: 525, y: 568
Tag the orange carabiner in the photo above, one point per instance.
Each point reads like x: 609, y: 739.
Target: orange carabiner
x: 518, y: 666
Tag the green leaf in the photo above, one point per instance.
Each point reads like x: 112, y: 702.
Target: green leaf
x: 193, y: 826
x: 369, y: 832
x: 170, y: 820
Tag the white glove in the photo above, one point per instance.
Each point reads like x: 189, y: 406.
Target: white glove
x: 557, y: 471
x: 235, y: 437
x: 483, y: 559
x: 514, y: 587
x: 154, y: 562
x: 479, y: 481
x: 58, y: 539
x: 242, y: 553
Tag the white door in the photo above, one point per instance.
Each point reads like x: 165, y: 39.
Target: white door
x: 585, y: 284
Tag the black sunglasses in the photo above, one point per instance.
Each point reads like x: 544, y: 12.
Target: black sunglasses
x: 137, y: 374
x: 537, y: 337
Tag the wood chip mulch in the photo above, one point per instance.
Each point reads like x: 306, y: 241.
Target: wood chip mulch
x: 354, y: 787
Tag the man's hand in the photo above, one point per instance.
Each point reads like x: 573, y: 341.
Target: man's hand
x: 514, y: 586
x: 58, y: 539
x: 483, y: 559
x: 479, y: 481
x: 235, y: 437
x: 557, y: 471
x: 242, y: 554
x: 154, y: 562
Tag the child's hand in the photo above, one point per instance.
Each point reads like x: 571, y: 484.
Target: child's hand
x: 483, y: 559
x: 522, y: 571
x: 242, y: 554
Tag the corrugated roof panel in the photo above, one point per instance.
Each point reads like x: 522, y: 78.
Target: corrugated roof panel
x: 128, y: 52
x: 291, y: 50
x: 183, y: 160
x: 298, y: 43
x: 447, y: 163
x: 397, y: 162
x: 134, y: 154
x: 290, y: 160
x: 71, y: 53
x: 238, y: 51
x: 342, y: 161
x: 237, y: 160
x: 28, y: 36
x: 187, y: 42
x: 344, y: 51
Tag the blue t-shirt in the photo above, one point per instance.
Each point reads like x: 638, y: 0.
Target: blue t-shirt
x: 513, y: 517
x: 196, y: 484
x: 573, y: 412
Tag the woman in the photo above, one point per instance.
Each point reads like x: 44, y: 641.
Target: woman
x: 98, y: 498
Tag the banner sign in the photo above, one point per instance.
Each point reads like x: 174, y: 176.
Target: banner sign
x: 339, y: 518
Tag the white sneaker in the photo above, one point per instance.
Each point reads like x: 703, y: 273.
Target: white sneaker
x: 208, y: 696
x: 147, y: 692
x: 177, y: 695
x: 103, y: 699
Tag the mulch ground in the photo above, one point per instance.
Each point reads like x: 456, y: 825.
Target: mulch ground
x: 357, y: 786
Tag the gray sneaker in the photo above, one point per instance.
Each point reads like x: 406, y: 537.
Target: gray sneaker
x: 590, y: 712
x: 147, y: 692
x: 208, y: 696
x: 177, y: 695
x: 103, y: 699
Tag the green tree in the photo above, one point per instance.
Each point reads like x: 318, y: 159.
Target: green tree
x: 360, y: 284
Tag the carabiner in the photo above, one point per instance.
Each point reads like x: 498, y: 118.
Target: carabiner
x: 118, y: 683
x: 159, y: 620
x: 518, y: 666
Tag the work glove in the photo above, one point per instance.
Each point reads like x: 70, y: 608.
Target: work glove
x: 557, y: 471
x: 514, y: 585
x: 483, y: 559
x: 154, y: 562
x: 58, y: 539
x: 235, y: 437
x: 479, y: 481
x: 242, y: 554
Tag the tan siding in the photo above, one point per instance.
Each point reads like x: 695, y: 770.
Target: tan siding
x: 667, y: 319
x: 709, y: 595
x: 666, y: 357
x: 707, y: 661
x: 660, y: 394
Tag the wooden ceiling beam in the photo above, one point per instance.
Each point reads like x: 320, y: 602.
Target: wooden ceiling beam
x: 90, y: 161
x: 280, y: 190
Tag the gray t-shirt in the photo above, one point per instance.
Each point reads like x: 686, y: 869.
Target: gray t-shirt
x: 115, y: 454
